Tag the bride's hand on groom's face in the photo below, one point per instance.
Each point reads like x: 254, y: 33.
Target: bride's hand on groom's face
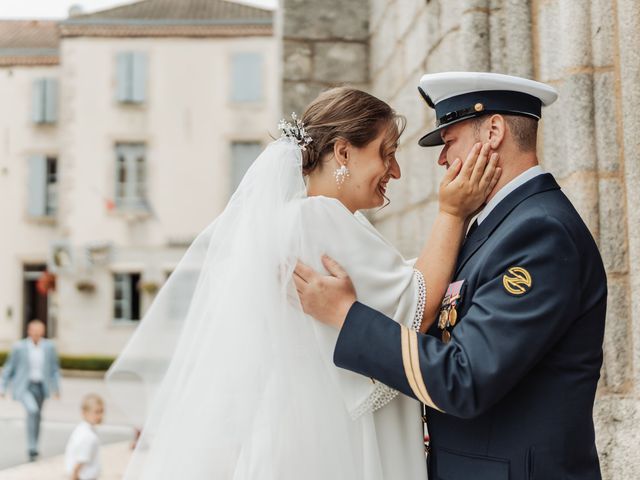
x: 327, y: 298
x: 466, y: 186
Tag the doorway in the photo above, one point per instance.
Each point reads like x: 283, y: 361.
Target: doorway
x: 36, y: 304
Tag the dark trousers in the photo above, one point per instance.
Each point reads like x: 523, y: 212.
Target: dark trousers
x: 32, y: 401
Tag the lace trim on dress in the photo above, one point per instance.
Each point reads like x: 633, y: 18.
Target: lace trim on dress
x: 382, y: 394
x: 422, y: 301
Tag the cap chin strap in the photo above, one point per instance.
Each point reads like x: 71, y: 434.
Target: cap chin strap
x: 469, y: 113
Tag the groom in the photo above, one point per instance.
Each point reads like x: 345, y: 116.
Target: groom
x: 509, y: 370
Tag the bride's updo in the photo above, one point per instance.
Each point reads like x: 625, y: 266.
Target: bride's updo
x: 352, y: 115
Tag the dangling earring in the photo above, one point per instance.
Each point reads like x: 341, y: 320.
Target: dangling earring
x: 341, y: 174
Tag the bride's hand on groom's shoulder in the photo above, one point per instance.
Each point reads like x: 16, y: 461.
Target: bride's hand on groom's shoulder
x: 466, y: 185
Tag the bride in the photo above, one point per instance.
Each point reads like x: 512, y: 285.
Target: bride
x: 230, y: 379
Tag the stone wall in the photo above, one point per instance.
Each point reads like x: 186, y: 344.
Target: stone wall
x: 412, y: 37
x: 324, y: 44
x: 590, y: 139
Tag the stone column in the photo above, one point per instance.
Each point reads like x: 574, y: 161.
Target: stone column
x: 587, y: 49
x: 623, y: 420
x: 476, y: 35
x: 628, y: 17
x: 518, y: 45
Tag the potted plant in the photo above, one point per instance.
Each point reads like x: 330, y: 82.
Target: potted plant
x: 85, y: 286
x: 149, y: 286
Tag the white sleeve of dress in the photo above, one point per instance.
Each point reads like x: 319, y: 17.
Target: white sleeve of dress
x: 382, y: 394
x: 383, y: 279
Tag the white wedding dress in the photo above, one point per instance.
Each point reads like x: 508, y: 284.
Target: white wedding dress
x: 232, y: 381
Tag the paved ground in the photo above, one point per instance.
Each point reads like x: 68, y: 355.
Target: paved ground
x: 59, y: 419
x: 114, y: 460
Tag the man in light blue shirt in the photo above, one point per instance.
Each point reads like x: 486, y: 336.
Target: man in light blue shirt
x: 33, y: 370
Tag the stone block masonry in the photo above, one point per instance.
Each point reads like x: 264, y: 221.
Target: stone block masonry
x: 590, y: 139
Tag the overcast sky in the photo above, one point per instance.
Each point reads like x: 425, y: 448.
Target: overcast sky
x: 60, y: 8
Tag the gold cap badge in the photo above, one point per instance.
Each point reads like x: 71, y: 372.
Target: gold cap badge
x: 478, y: 107
x: 517, y: 281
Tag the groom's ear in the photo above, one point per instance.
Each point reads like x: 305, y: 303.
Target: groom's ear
x: 341, y: 151
x: 497, y: 129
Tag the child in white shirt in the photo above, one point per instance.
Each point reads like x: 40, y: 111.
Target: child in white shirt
x: 82, y: 455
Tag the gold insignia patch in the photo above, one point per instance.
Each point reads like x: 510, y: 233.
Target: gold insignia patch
x: 517, y: 281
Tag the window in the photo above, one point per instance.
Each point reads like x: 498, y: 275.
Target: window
x: 131, y: 77
x: 45, y: 101
x: 52, y: 186
x: 130, y: 176
x: 242, y: 156
x: 126, y: 300
x: 43, y: 186
x: 246, y: 77
x: 36, y: 304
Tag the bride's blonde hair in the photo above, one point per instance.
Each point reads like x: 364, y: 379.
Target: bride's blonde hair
x: 353, y: 115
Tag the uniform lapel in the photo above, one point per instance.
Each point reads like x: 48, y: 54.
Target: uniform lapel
x: 541, y: 183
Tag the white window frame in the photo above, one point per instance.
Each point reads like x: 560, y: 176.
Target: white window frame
x: 131, y: 162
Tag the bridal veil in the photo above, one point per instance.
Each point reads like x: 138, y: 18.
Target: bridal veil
x: 227, y: 376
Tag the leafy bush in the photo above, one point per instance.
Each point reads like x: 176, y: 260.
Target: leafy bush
x: 91, y: 363
x: 88, y: 362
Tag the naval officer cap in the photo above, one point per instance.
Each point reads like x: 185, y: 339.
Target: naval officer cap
x: 459, y: 96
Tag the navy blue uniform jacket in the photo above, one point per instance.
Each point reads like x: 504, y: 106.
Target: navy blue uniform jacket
x: 511, y: 395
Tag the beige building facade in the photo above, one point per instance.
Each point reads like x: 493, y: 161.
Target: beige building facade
x: 156, y: 115
x: 590, y: 139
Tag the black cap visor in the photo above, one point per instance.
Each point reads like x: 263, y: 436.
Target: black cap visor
x: 434, y: 137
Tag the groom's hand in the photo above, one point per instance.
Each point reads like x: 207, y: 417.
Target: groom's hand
x: 327, y: 298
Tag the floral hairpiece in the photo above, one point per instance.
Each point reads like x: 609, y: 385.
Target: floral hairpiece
x: 295, y: 131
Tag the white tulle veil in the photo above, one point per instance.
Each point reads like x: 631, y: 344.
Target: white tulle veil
x: 228, y: 377
x: 189, y: 348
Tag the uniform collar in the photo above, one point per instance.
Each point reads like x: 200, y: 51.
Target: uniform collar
x: 521, y: 179
x: 537, y: 184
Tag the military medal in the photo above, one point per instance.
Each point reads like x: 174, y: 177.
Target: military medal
x: 453, y: 316
x: 444, y: 318
x: 448, y: 311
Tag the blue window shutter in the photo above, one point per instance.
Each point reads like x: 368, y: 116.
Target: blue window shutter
x: 38, y: 101
x: 242, y: 156
x: 123, y: 71
x: 37, y: 206
x: 139, y: 74
x: 246, y: 77
x: 51, y: 100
